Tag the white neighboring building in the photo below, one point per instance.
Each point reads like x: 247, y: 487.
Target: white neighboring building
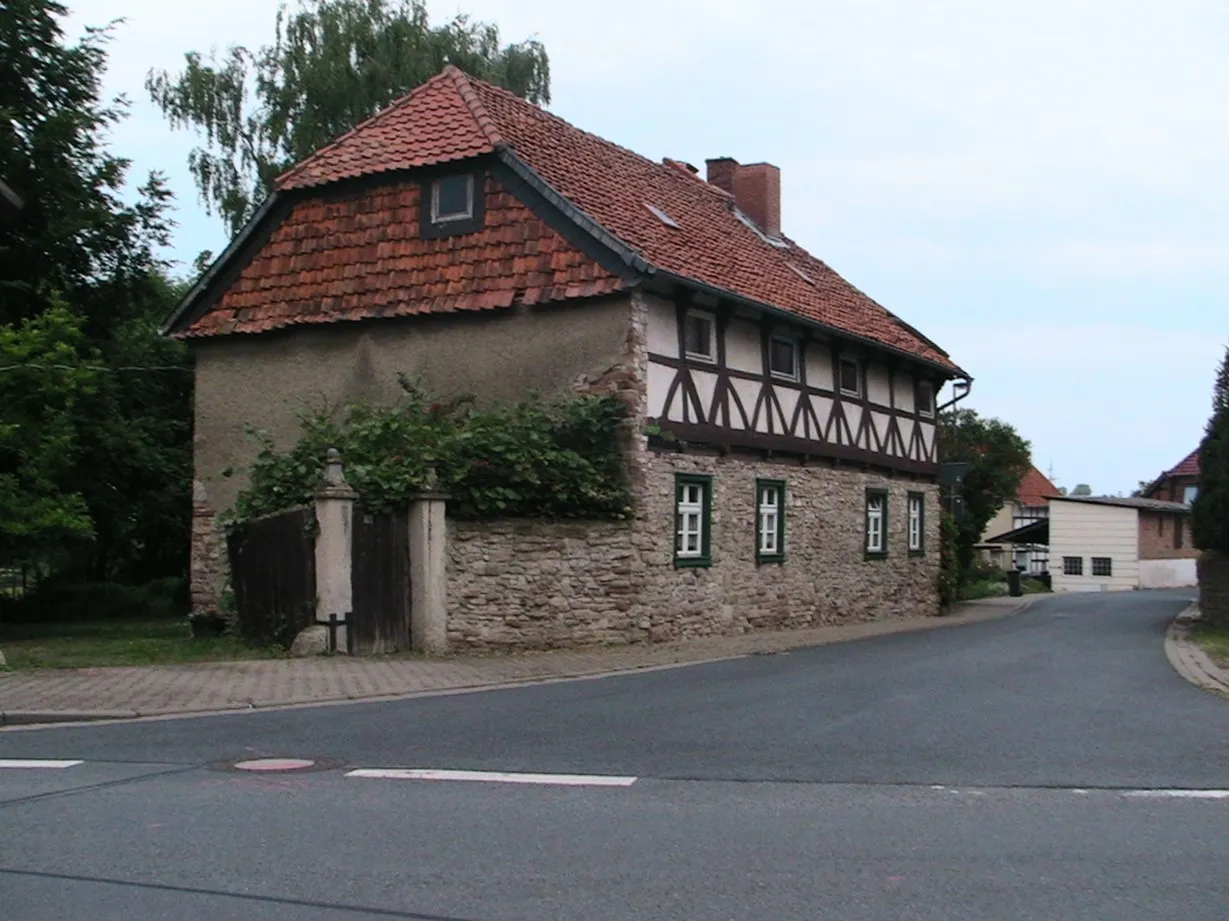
x: 1103, y: 543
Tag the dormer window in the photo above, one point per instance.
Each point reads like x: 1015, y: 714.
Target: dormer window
x: 451, y: 204
x: 452, y: 199
x: 783, y: 358
x: 850, y: 377
x: 699, y: 336
x: 925, y: 396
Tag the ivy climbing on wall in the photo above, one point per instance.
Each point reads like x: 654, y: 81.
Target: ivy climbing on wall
x: 530, y: 459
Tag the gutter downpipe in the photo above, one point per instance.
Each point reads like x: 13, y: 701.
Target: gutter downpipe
x: 961, y: 388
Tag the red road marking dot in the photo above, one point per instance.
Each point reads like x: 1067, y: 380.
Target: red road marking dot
x: 274, y: 764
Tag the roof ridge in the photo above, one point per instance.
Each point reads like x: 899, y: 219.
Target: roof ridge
x: 473, y: 102
x: 692, y: 181
x: 394, y: 106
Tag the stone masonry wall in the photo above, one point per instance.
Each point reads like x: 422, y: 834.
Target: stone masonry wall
x: 207, y: 563
x: 540, y: 584
x: 1214, y: 588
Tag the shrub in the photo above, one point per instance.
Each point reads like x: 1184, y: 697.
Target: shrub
x: 984, y: 588
x: 531, y: 459
x: 63, y: 602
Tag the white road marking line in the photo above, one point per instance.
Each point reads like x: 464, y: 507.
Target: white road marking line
x: 35, y: 764
x: 1177, y: 794
x: 563, y: 780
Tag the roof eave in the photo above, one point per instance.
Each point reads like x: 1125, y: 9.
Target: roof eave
x: 948, y: 372
x: 630, y: 257
x: 190, y: 300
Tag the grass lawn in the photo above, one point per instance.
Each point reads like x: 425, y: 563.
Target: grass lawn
x: 1214, y: 641
x: 97, y: 644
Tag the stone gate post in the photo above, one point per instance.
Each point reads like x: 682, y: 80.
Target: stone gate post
x: 335, y: 516
x: 428, y: 570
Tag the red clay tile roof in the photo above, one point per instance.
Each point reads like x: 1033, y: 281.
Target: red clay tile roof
x: 455, y: 117
x: 359, y: 256
x: 434, y: 124
x: 1189, y: 466
x: 711, y: 245
x: 1035, y: 488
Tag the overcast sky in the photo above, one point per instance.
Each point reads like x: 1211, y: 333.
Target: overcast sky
x: 1041, y: 188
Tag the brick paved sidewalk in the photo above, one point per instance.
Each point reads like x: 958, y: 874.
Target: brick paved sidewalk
x: 45, y: 695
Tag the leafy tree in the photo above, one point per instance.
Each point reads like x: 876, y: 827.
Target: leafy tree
x: 42, y: 378
x: 333, y: 64
x: 81, y: 281
x: 997, y: 457
x: 1211, y: 508
x: 1082, y: 489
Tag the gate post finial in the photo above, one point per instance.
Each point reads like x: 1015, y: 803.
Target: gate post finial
x: 334, y: 474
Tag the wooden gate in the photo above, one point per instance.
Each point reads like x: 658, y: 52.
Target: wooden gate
x: 273, y: 573
x: 380, y: 583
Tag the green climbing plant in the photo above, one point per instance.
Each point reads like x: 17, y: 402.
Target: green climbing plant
x: 530, y: 459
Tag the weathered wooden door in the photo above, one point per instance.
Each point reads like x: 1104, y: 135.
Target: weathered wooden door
x: 380, y: 583
x: 273, y: 574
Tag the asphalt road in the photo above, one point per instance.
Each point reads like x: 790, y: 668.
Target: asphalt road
x: 1014, y: 769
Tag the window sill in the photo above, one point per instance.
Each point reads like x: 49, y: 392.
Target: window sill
x: 782, y: 376
x: 761, y: 558
x: 876, y: 554
x: 693, y: 562
x: 696, y: 356
x: 917, y: 554
x: 850, y: 393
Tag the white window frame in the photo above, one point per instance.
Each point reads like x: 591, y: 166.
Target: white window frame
x: 924, y: 385
x: 711, y: 355
x: 840, y: 377
x: 769, y: 520
x: 917, y: 506
x: 876, y: 523
x: 794, y: 349
x: 693, y: 496
x: 1189, y: 494
x: 468, y: 214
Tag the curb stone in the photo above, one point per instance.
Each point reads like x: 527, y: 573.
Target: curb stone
x: 773, y: 643
x: 35, y: 717
x: 1188, y: 660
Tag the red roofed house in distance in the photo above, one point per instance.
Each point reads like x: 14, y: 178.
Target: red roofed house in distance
x: 1178, y: 484
x: 484, y: 246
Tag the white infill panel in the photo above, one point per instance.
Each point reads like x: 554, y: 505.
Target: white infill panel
x: 706, y: 386
x: 748, y: 393
x: 819, y: 366
x: 880, y: 421
x: 788, y: 398
x: 743, y: 351
x: 878, y: 389
x: 822, y: 408
x: 660, y: 378
x: 662, y: 332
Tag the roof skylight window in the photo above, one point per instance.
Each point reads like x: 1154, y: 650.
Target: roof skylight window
x: 662, y: 216
x: 801, y: 274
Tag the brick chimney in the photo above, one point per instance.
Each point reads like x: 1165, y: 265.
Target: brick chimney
x: 756, y: 188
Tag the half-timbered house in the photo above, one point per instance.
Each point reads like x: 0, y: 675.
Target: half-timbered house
x: 783, y: 462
